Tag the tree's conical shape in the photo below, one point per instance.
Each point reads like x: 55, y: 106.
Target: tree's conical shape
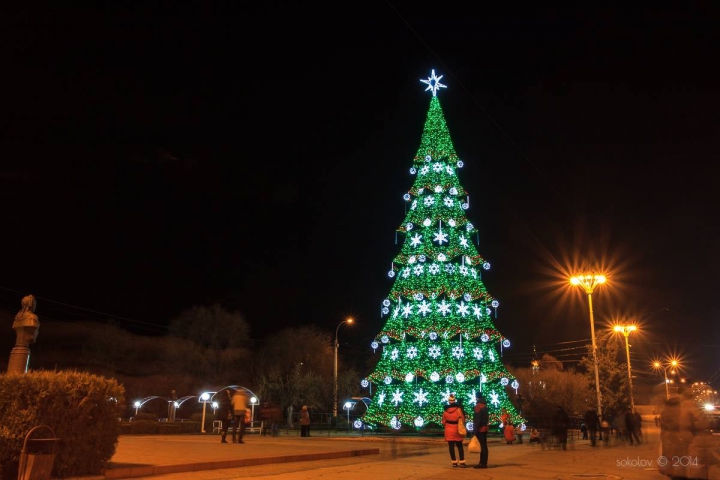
x: 439, y: 337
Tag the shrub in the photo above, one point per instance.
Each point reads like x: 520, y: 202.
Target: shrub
x: 83, y: 410
x: 145, y: 416
x: 169, y: 428
x: 143, y: 426
x: 189, y: 427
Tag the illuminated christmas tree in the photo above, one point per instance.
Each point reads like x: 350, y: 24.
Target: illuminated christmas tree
x: 439, y: 337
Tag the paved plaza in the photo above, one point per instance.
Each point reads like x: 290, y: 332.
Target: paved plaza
x: 321, y: 456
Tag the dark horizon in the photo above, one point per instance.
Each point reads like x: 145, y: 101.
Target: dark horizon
x: 157, y: 160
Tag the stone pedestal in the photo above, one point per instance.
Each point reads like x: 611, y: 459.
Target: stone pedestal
x: 19, y: 358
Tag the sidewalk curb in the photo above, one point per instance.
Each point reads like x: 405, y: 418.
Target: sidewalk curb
x: 149, y: 470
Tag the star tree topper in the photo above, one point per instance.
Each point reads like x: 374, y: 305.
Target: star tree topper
x: 433, y: 83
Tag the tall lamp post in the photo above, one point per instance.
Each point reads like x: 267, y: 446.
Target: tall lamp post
x: 626, y: 330
x: 588, y: 282
x: 253, y: 402
x: 204, y: 398
x: 335, y: 370
x: 671, y: 364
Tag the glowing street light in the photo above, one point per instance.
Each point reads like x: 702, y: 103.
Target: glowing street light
x: 137, y: 406
x: 204, y: 398
x: 625, y: 330
x: 672, y: 363
x: 253, y: 402
x: 337, y: 345
x: 588, y: 282
x: 349, y: 406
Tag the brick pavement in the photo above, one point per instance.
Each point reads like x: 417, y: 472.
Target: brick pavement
x: 186, y: 457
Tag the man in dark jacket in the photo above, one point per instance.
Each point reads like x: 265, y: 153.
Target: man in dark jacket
x: 223, y: 412
x: 592, y: 422
x: 632, y: 427
x: 480, y: 425
x: 684, y: 435
x: 559, y: 426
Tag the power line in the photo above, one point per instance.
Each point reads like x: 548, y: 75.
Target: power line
x: 88, y: 310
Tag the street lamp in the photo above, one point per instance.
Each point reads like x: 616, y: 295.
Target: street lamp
x: 204, y: 398
x: 588, y: 282
x: 349, y: 406
x: 672, y: 363
x: 137, y: 406
x: 625, y: 330
x: 253, y: 402
x: 337, y: 345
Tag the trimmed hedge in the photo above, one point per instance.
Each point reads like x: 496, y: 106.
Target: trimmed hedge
x: 83, y: 409
x: 149, y: 427
x: 145, y: 416
x: 143, y: 426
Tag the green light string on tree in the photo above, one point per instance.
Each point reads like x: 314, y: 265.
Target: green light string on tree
x: 439, y: 337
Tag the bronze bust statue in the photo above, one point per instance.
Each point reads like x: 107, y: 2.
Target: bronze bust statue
x: 26, y: 324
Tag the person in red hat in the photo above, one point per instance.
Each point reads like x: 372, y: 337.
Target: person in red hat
x: 451, y: 416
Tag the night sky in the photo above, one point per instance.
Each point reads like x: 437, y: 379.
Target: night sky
x: 158, y: 156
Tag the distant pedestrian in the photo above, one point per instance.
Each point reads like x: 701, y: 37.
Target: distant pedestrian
x: 504, y: 417
x: 638, y: 424
x: 509, y: 433
x: 681, y: 432
x: 560, y: 422
x: 632, y: 433
x: 605, y: 427
x: 592, y: 422
x: 224, y: 412
x: 452, y: 414
x: 519, y: 400
x: 239, y: 405
x: 271, y: 416
x: 621, y: 431
x: 480, y: 422
x: 304, y: 422
x: 584, y: 430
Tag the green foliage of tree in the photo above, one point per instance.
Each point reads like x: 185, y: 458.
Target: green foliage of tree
x: 114, y: 350
x: 545, y: 388
x: 548, y: 362
x: 306, y: 345
x: 211, y: 344
x: 295, y: 367
x: 612, y: 372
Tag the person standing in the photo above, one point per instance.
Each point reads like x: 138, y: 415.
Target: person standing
x: 452, y: 414
x: 224, y: 412
x: 504, y: 419
x: 239, y: 405
x: 480, y: 422
x: 509, y: 433
x: 605, y: 428
x: 519, y: 400
x: 559, y: 426
x: 638, y: 424
x: 592, y: 422
x: 621, y: 431
x: 632, y: 431
x: 681, y: 434
x: 304, y: 422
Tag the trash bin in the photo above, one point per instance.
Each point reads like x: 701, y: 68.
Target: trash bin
x: 38, y: 454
